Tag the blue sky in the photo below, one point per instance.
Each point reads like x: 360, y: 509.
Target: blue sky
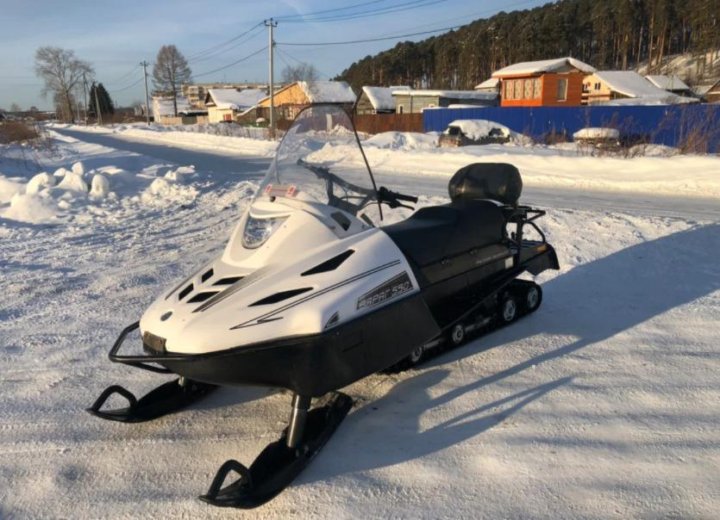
x: 116, y: 36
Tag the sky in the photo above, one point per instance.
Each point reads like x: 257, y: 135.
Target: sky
x: 217, y: 37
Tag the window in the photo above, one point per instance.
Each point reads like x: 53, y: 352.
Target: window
x: 562, y: 89
x: 508, y: 89
x: 597, y: 86
x: 537, y: 88
x: 400, y: 109
x: 528, y: 89
x: 518, y: 89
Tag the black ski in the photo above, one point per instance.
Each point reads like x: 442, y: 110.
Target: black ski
x: 167, y: 398
x: 278, y: 464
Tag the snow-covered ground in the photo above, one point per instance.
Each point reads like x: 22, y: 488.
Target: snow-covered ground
x: 603, y: 404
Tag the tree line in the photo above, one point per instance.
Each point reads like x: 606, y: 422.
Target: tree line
x: 608, y: 34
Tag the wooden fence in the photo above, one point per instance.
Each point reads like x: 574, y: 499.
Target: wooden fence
x: 378, y: 123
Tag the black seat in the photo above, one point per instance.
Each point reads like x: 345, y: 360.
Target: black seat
x: 436, y: 232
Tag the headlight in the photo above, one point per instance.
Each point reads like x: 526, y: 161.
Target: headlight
x: 258, y: 230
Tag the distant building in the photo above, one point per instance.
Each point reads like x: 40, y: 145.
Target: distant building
x: 163, y: 110
x: 491, y: 86
x: 290, y: 100
x: 609, y: 85
x: 670, y: 83
x: 196, y: 93
x: 377, y: 100
x: 227, y: 104
x: 415, y: 101
x: 709, y: 92
x: 556, y: 82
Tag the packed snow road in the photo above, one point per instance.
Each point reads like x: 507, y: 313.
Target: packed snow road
x: 556, y: 197
x: 603, y: 404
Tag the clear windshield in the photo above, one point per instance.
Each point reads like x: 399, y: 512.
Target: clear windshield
x: 320, y: 160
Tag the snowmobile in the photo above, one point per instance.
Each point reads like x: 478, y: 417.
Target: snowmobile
x: 310, y: 295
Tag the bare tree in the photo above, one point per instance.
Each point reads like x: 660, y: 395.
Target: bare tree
x: 171, y: 70
x: 300, y: 72
x: 62, y: 72
x: 15, y: 108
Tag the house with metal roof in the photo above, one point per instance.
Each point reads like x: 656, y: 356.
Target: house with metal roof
x: 556, y: 82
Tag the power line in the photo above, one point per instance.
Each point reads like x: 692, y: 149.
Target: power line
x: 128, y: 87
x: 122, y: 78
x: 407, y: 6
x: 212, y: 49
x: 349, y: 42
x: 237, y: 44
x: 231, y: 64
x: 288, y: 17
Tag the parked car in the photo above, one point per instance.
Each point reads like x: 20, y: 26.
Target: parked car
x: 474, y: 131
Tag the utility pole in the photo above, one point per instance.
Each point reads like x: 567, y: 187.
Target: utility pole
x: 271, y: 24
x: 97, y: 104
x: 147, y: 102
x: 85, y: 95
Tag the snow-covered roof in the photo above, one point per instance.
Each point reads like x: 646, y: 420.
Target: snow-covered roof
x: 327, y: 91
x: 538, y: 67
x: 669, y: 83
x: 629, y: 83
x: 665, y: 99
x: 488, y: 84
x: 230, y: 98
x: 163, y: 106
x: 452, y: 94
x: 701, y: 90
x: 381, y: 97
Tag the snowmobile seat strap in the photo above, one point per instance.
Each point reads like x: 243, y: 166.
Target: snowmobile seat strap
x: 222, y: 473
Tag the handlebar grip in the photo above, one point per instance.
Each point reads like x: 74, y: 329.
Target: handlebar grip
x: 408, y: 198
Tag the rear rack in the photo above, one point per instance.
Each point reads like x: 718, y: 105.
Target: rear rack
x: 522, y: 216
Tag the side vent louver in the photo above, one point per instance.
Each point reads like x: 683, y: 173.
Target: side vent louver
x: 228, y: 280
x: 201, y: 297
x: 329, y: 265
x: 185, y: 292
x: 280, y: 296
x: 207, y: 275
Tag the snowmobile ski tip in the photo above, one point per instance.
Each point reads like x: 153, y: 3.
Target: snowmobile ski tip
x: 278, y: 465
x: 166, y: 398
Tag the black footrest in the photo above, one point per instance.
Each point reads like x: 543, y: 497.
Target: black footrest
x: 277, y: 465
x: 167, y: 398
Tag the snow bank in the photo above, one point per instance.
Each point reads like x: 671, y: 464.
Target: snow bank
x: 8, y: 188
x: 39, y: 182
x: 31, y: 208
x: 402, y: 141
x: 100, y: 186
x: 164, y: 192
x: 74, y: 182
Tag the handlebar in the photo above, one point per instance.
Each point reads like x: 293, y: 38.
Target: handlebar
x: 392, y: 198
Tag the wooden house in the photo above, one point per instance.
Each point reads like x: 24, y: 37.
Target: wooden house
x: 613, y: 85
x: 227, y: 104
x: 290, y: 100
x: 555, y: 82
x: 377, y: 100
x: 709, y: 92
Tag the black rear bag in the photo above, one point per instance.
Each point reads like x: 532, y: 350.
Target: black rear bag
x: 495, y: 181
